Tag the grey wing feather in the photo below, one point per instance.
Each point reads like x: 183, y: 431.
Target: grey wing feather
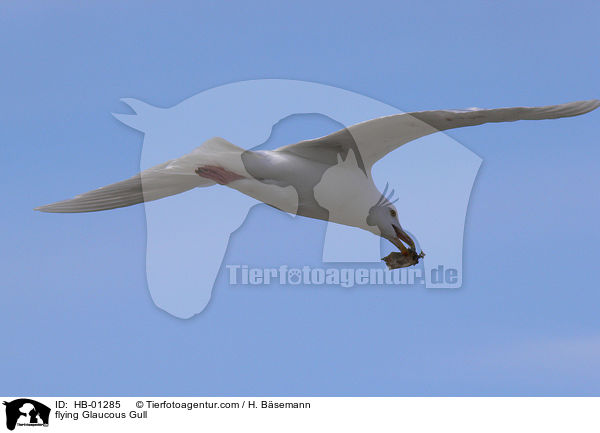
x: 152, y: 184
x: 376, y: 138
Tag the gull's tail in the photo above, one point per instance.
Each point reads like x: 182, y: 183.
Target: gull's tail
x: 169, y: 178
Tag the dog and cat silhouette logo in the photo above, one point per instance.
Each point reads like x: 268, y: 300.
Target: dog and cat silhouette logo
x: 26, y: 412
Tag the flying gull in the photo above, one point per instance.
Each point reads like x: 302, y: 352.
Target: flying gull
x: 327, y: 178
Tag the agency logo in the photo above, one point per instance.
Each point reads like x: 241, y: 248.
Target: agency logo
x: 26, y: 412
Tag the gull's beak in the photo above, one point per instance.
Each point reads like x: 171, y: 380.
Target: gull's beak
x: 401, y: 236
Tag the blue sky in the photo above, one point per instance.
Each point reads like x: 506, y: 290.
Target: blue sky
x: 76, y: 311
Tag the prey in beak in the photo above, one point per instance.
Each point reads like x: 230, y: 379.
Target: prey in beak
x: 408, y: 253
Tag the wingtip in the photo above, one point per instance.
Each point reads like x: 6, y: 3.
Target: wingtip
x: 594, y: 101
x: 577, y: 108
x: 593, y: 104
x: 48, y: 208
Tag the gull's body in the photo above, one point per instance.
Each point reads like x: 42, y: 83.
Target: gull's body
x: 327, y: 178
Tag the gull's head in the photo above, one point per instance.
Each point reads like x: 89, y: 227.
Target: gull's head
x: 383, y: 217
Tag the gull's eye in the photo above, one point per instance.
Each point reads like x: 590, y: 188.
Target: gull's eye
x: 393, y: 213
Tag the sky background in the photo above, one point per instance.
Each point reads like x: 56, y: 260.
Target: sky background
x: 76, y: 312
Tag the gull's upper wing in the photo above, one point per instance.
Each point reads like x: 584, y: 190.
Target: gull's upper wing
x: 376, y: 138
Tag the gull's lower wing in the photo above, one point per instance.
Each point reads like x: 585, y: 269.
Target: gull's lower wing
x: 169, y: 178
x: 376, y: 138
x: 152, y: 184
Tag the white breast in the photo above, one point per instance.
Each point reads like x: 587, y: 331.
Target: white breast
x: 283, y: 198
